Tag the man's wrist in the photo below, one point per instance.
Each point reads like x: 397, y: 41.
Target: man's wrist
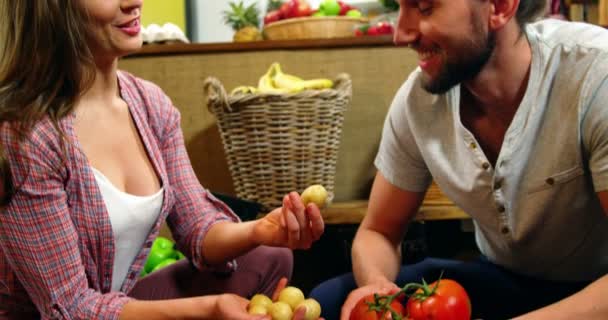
x: 375, y: 279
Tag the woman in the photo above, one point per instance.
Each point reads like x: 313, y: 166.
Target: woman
x: 96, y: 162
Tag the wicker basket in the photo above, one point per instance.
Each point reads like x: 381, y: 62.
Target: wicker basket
x: 277, y: 143
x: 312, y: 28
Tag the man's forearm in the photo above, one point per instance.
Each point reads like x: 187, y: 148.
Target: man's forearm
x: 589, y: 304
x: 375, y: 259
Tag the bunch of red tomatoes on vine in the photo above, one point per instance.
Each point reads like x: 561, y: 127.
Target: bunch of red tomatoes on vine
x: 444, y: 299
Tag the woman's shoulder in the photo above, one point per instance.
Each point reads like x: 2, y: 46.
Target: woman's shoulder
x: 44, y: 141
x: 143, y: 94
x: 132, y: 81
x: 43, y: 133
x: 140, y: 90
x: 148, y: 102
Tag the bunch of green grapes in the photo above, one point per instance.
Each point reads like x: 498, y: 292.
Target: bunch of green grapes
x: 290, y: 299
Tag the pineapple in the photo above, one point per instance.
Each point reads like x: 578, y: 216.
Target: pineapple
x: 244, y: 20
x: 273, y: 5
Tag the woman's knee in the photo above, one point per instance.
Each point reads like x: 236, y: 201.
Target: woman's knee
x: 281, y: 259
x: 267, y: 265
x: 273, y: 260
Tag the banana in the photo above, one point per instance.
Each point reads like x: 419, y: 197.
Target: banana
x: 277, y: 82
x: 296, y: 84
x: 266, y: 82
x: 243, y: 90
x: 317, y: 84
x: 287, y: 81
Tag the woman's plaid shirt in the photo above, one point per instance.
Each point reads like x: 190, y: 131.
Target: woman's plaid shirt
x: 56, y: 241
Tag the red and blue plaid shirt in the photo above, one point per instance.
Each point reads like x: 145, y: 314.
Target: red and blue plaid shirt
x: 56, y: 241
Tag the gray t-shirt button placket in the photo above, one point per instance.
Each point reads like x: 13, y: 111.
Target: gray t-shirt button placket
x: 497, y: 184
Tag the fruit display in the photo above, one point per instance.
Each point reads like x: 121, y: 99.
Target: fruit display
x: 289, y: 300
x: 301, y: 8
x: 244, y: 20
x: 162, y: 254
x: 444, y: 299
x: 275, y: 81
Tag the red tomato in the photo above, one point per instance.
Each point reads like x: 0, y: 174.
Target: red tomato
x: 444, y: 299
x: 366, y: 310
x: 373, y: 31
x: 384, y: 28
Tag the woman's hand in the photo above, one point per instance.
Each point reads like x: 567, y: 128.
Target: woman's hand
x: 234, y: 307
x: 293, y: 225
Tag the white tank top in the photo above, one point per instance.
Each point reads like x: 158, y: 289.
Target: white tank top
x: 131, y: 217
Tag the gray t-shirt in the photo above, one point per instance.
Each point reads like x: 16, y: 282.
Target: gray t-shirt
x: 536, y: 212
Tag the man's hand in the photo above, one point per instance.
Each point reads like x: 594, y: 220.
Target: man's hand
x: 357, y: 294
x: 293, y: 225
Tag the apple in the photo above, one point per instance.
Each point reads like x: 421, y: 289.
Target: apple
x: 286, y: 9
x: 164, y: 263
x: 354, y: 13
x: 344, y: 8
x: 272, y: 16
x: 162, y: 249
x: 330, y: 7
x: 302, y: 9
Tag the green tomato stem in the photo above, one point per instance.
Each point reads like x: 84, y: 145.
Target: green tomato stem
x: 382, y: 303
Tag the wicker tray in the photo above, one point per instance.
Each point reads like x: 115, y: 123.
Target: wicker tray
x: 277, y: 143
x: 312, y: 28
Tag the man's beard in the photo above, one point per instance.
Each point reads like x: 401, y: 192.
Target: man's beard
x: 465, y: 66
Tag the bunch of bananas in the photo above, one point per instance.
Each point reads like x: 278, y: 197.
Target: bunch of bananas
x: 278, y: 82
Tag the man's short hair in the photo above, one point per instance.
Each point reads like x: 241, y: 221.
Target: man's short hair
x: 529, y: 10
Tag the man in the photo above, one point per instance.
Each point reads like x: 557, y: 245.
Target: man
x: 509, y: 118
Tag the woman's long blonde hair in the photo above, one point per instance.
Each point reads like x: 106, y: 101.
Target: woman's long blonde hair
x: 45, y: 64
